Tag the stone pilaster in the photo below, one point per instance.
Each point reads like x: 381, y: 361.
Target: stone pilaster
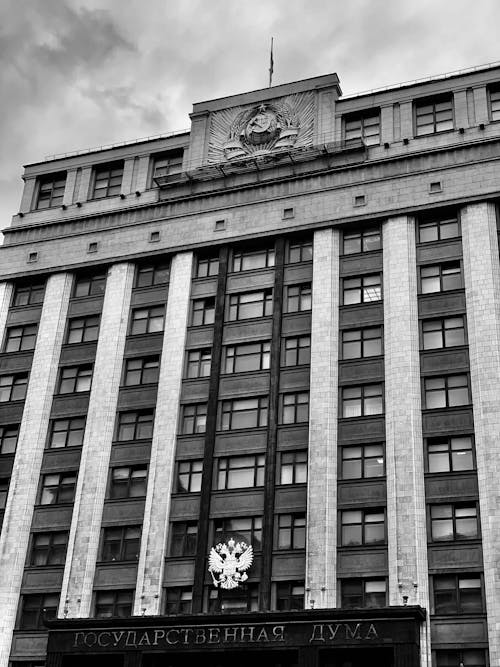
x: 6, y: 290
x: 321, y: 548
x: 14, y: 537
x: 91, y: 486
x: 162, y: 463
x: 482, y: 291
x: 406, y: 526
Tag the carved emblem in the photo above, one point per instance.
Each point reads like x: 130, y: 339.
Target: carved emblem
x: 229, y: 561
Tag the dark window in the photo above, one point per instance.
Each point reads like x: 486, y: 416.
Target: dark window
x: 457, y: 594
x: 166, y: 164
x: 360, y: 461
x: 256, y: 259
x: 4, y: 490
x: 144, y: 370
x: 440, y: 277
x: 363, y: 240
x: 438, y: 229
x: 300, y: 251
x: 107, y: 180
x: 189, y: 476
x: 113, y: 603
x: 19, y: 339
x: 147, y: 320
x: 362, y: 401
x: 203, y: 311
x: 58, y: 488
x: 433, y: 115
x: 250, y: 304
x: 207, y: 266
x: 365, y: 126
x: 178, y: 600
x: 135, y: 425
x: 83, y: 329
x: 446, y: 392
x: 297, y: 351
x: 247, y: 357
x: 198, y: 363
x: 67, y: 432
x: 246, y: 529
x: 8, y: 438
x: 194, y: 418
x: 457, y: 521
x: 293, y: 467
x: 358, y: 593
x: 243, y: 413
x: 362, y: 527
x: 291, y: 531
x: 51, y: 190
x: 359, y: 343
x: 148, y: 275
x: 49, y: 548
x: 122, y: 543
x: 183, y: 538
x: 472, y: 657
x: 128, y: 482
x: 290, y: 595
x: 34, y: 608
x: 13, y: 387
x: 295, y: 408
x: 364, y: 289
x: 298, y: 298
x: 450, y: 454
x: 239, y: 472
x: 75, y: 379
x: 237, y: 600
x: 495, y: 103
x: 443, y: 332
x: 28, y: 295
x: 89, y: 285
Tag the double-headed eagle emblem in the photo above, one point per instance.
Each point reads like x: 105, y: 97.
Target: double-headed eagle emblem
x: 229, y: 561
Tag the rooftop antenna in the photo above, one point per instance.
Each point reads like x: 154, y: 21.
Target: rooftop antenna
x: 271, y: 64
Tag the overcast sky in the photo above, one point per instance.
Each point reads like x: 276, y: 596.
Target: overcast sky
x: 80, y: 73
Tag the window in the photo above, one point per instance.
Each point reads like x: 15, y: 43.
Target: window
x: 128, y: 482
x: 446, y: 392
x: 362, y: 527
x: 194, y: 418
x: 203, y: 311
x: 473, y: 657
x: 89, y: 285
x: 67, y: 432
x: 37, y: 607
x: 49, y: 548
x: 198, y: 363
x: 107, y: 180
x: 433, y: 115
x: 144, y: 370
x: 365, y: 126
x: 359, y: 343
x: 75, y: 379
x: 440, y: 277
x: 291, y: 531
x: 8, y: 438
x: 58, y: 488
x: 443, y: 332
x: 122, y: 543
x: 247, y: 357
x: 356, y: 593
x: 167, y: 164
x: 298, y: 298
x: 148, y: 275
x: 83, y: 329
x: 239, y: 472
x: 178, y: 600
x: 4, y: 490
x: 293, y: 467
x: 438, y: 229
x: 113, y: 603
x: 450, y: 454
x: 362, y: 401
x: 246, y: 529
x: 363, y: 240
x: 300, y: 251
x: 51, y: 191
x: 207, y: 266
x: 290, y: 595
x: 494, y: 103
x: 237, y: 600
x: 135, y: 425
x: 183, y: 538
x: 13, y: 387
x: 297, y: 351
x: 256, y: 259
x: 363, y: 289
x: 453, y: 522
x: 250, y: 304
x: 147, y: 320
x: 457, y: 593
x: 19, y: 339
x: 295, y: 408
x: 362, y: 461
x: 242, y: 413
x: 189, y: 476
x: 28, y: 295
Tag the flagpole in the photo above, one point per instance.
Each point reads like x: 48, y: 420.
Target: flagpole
x: 271, y: 64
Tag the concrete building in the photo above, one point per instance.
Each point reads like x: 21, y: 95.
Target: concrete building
x: 278, y: 330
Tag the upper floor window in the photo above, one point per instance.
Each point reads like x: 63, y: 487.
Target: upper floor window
x: 291, y: 531
x: 121, y: 543
x: 4, y: 490
x: 446, y: 392
x: 450, y: 453
x: 443, y: 332
x: 49, y: 548
x: 365, y: 126
x: 189, y: 475
x: 362, y: 527
x: 167, y: 164
x: 357, y: 593
x: 246, y: 260
x: 435, y: 115
x: 457, y: 521
x: 178, y: 600
x: 66, y: 432
x: 247, y: 357
x: 75, y: 379
x: 363, y: 289
x: 113, y: 603
x: 295, y: 408
x: 203, y: 311
x: 8, y: 438
x: 494, y: 93
x: 248, y: 529
x: 359, y: 343
x: 36, y: 608
x: 364, y: 240
x: 183, y: 538
x: 473, y: 657
x: 438, y: 228
x: 13, y: 387
x: 51, y: 190
x: 207, y: 266
x: 239, y: 472
x: 457, y: 593
x: 250, y: 304
x: 296, y: 351
x: 362, y: 401
x: 194, y: 418
x: 128, y: 482
x: 58, y: 488
x: 83, y: 329
x: 298, y: 298
x: 300, y: 251
x: 107, y: 180
x: 20, y: 339
x: 290, y: 595
x: 89, y: 285
x: 440, y: 277
x: 144, y: 370
x: 362, y: 461
x: 293, y: 467
x: 243, y: 413
x: 147, y: 320
x: 135, y: 425
x: 28, y: 295
x: 148, y: 275
x: 198, y: 363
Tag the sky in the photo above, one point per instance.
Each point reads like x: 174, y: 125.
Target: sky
x: 76, y: 74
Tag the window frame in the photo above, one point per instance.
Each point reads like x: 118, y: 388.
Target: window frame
x: 361, y: 117
x: 364, y: 340
x: 452, y: 468
x: 297, y: 466
x: 41, y: 610
x: 90, y: 326
x: 211, y: 262
x: 290, y: 531
x: 303, y: 248
x: 8, y: 433
x: 446, y: 390
x: 26, y: 340
x: 441, y: 329
x: 104, y: 172
x: 440, y: 222
x: 202, y: 311
x: 299, y: 302
x: 68, y: 430
x: 295, y: 347
x: 255, y: 531
x: 362, y: 399
x: 121, y: 488
x: 119, y: 540
x: 197, y: 412
x: 17, y: 387
x: 66, y: 484
x: 363, y: 593
x: 121, y: 608
x: 33, y: 291
x: 286, y: 599
x: 177, y: 604
x: 75, y: 377
x: 143, y: 419
x: 238, y: 352
x: 226, y: 412
x: 226, y: 465
x: 455, y: 592
x: 363, y: 459
x: 53, y: 553
x: 152, y: 274
x: 95, y: 285
x: 236, y: 304
x: 453, y: 520
x: 294, y: 407
x: 199, y: 366
x: 365, y: 234
x: 420, y: 103
x: 363, y: 522
x: 239, y: 255
x: 142, y: 370
x: 363, y: 289
x: 441, y: 276
x: 192, y: 471
x: 173, y: 159
x: 154, y: 317
x: 183, y: 539
x: 56, y: 190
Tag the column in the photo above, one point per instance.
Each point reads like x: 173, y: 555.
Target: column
x: 321, y: 547
x: 482, y: 291
x: 460, y: 109
x: 84, y: 534
x: 406, y: 523
x: 162, y: 463
x: 6, y: 290
x: 28, y: 195
x: 14, y: 537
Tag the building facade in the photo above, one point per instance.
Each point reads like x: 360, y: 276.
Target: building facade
x: 274, y: 338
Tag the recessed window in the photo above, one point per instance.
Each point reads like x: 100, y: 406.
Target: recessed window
x: 48, y: 548
x: 434, y: 115
x: 248, y: 260
x: 121, y: 543
x: 359, y: 593
x: 450, y: 453
x: 58, y: 488
x: 50, y: 190
x: 207, y: 266
x: 475, y: 657
x: 298, y: 298
x: 148, y: 275
x: 295, y: 408
x: 453, y: 521
x: 440, y: 277
x: 203, y: 311
x: 83, y: 329
x: 296, y: 351
x: 438, y: 228
x: 360, y: 343
x: 144, y: 370
x: 293, y: 467
x: 248, y: 529
x: 364, y: 240
x: 154, y: 237
x: 13, y: 387
x: 362, y: 401
x: 361, y: 527
x: 179, y: 600
x: 435, y: 186
x: 290, y: 595
x: 36, y: 608
x: 8, y: 438
x: 247, y: 357
x: 243, y: 413
x: 198, y: 363
x: 363, y: 126
x: 288, y: 213
x: 494, y: 95
x: 250, y: 304
x: 238, y: 600
x: 193, y: 418
x: 457, y: 594
x: 220, y: 225
x: 167, y: 164
x: 114, y: 603
x: 66, y: 432
x: 299, y: 251
x: 363, y: 289
x: 32, y: 257
x: 147, y: 320
x: 359, y: 200
x: 20, y: 339
x: 75, y: 379
x: 239, y: 472
x: 107, y: 180
x: 4, y: 490
x: 446, y: 392
x: 291, y: 531
x: 362, y: 461
x: 443, y: 332
x: 135, y: 425
x: 128, y: 482
x: 92, y: 247
x: 189, y: 475
x: 183, y: 538
x: 89, y: 285
x: 28, y: 295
